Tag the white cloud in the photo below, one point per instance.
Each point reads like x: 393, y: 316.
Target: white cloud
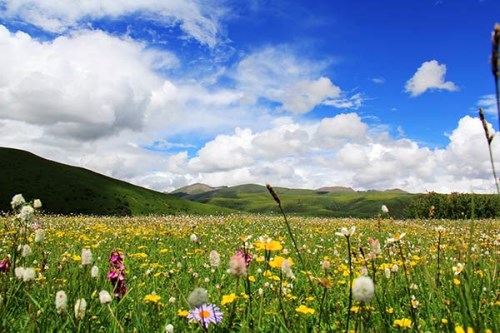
x: 303, y: 96
x: 489, y: 104
x: 198, y: 20
x: 430, y: 75
x: 278, y: 75
x: 75, y: 86
x: 354, y: 102
x: 378, y: 80
x: 335, y: 132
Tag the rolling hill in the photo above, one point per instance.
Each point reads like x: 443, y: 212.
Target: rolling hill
x: 326, y: 201
x: 65, y: 189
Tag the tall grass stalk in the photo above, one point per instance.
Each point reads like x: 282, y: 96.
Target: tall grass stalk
x: 495, y: 64
x: 489, y: 139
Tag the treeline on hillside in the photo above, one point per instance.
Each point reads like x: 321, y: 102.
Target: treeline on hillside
x: 454, y: 206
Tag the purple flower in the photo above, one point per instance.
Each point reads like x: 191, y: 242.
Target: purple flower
x: 116, y: 273
x: 5, y: 265
x: 247, y: 256
x: 206, y: 314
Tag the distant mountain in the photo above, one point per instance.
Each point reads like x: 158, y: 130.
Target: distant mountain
x: 326, y: 201
x: 65, y: 189
x: 335, y: 189
x: 196, y: 188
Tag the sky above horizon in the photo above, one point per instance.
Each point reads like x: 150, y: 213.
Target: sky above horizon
x: 302, y: 94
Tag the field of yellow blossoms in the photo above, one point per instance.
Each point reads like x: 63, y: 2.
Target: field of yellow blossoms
x: 246, y: 274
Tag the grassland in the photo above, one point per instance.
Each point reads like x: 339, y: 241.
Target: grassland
x: 70, y: 190
x: 428, y: 276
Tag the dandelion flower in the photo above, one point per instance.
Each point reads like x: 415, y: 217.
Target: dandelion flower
x: 305, y: 310
x: 286, y: 268
x: 363, y: 289
x: 152, y: 298
x: 86, y: 257
x: 61, y: 301
x: 205, y: 314
x: 228, y: 299
x: 404, y: 322
x: 80, y: 307
x: 198, y: 297
x: 104, y: 297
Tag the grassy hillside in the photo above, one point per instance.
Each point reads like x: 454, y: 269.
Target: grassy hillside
x: 256, y: 199
x: 70, y: 190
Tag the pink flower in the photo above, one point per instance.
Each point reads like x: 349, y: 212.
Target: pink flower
x: 237, y: 265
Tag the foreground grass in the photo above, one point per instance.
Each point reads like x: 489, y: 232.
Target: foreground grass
x: 429, y: 280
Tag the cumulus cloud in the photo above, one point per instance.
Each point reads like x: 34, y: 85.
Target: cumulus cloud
x: 199, y: 20
x: 75, y: 86
x: 429, y: 76
x: 343, y: 128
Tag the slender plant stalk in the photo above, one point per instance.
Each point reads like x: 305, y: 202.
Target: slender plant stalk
x: 489, y: 139
x: 405, y: 270
x: 438, y: 283
x: 495, y: 64
x: 350, y: 284
x: 290, y: 233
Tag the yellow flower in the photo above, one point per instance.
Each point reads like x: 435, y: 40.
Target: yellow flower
x: 459, y: 329
x: 304, y: 310
x: 152, y: 298
x: 163, y: 250
x: 270, y: 245
x: 389, y: 310
x: 456, y: 282
x: 251, y: 278
x: 77, y: 257
x: 404, y: 322
x: 182, y: 313
x: 277, y: 261
x: 355, y: 309
x: 228, y: 299
x: 444, y: 321
x: 140, y: 255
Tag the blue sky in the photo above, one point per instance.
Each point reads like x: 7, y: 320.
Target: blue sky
x: 372, y: 95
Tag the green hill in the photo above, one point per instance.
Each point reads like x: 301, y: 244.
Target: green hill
x: 64, y: 189
x: 322, y: 202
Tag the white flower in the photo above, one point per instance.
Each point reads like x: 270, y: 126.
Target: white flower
x: 86, y: 257
x: 37, y: 204
x: 169, y: 328
x: 61, y: 301
x: 387, y: 273
x: 104, y: 297
x: 17, y: 201
x: 172, y: 300
x: 194, y: 238
x: 26, y: 213
x: 80, y: 307
x: 214, y: 259
x: 458, y: 268
x: 286, y: 268
x: 94, y: 272
x: 39, y: 235
x: 26, y: 252
x: 396, y: 238
x: 363, y: 289
x: 29, y: 274
x: 346, y: 233
x: 384, y: 209
x: 19, y: 272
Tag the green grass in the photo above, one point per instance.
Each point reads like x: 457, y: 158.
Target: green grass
x: 70, y: 190
x: 256, y: 199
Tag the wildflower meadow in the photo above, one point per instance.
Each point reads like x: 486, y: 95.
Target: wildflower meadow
x: 246, y: 274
